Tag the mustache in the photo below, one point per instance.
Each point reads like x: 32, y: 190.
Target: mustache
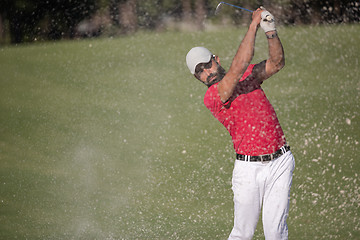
x: 211, y: 76
x: 218, y: 78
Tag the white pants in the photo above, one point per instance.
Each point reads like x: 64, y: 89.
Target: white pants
x: 257, y: 184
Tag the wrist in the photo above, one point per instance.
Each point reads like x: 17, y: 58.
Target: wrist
x: 254, y: 26
x: 271, y: 34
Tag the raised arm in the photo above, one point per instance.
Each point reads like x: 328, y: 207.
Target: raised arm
x: 276, y: 59
x: 241, y: 60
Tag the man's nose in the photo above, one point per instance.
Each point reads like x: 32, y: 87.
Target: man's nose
x: 207, y: 71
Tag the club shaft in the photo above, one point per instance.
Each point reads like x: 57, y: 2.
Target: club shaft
x: 237, y: 7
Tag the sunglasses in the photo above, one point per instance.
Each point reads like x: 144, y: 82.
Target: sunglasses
x: 201, y: 66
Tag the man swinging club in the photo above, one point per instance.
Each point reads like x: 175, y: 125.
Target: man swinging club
x: 264, y: 165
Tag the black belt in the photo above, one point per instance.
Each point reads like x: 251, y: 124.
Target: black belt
x: 263, y: 158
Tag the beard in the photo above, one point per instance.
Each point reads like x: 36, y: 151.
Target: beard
x: 216, y: 76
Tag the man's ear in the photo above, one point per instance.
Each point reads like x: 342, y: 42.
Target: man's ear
x: 217, y: 59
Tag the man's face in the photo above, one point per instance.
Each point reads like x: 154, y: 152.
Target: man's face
x: 211, y: 72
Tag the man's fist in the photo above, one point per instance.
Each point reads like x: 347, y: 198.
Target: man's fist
x: 267, y: 22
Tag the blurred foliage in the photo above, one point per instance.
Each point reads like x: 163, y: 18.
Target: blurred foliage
x: 29, y: 20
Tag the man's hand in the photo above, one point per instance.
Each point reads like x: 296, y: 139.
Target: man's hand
x: 267, y: 21
x: 256, y: 17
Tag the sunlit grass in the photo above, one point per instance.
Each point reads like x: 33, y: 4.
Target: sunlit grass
x: 109, y: 138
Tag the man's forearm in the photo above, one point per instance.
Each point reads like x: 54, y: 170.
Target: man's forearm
x: 239, y: 64
x: 245, y: 52
x: 276, y: 51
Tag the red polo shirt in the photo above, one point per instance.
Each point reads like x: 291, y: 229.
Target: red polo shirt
x: 248, y: 116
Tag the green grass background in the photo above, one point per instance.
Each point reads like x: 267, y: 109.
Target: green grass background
x: 109, y: 138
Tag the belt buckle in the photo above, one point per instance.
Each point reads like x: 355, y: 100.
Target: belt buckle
x: 242, y: 158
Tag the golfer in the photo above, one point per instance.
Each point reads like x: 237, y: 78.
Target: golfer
x: 264, y: 165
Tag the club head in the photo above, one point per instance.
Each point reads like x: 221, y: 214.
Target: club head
x: 218, y: 8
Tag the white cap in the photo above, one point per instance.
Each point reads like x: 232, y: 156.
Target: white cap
x: 197, y: 55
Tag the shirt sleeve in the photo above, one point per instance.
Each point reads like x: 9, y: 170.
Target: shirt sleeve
x: 212, y: 99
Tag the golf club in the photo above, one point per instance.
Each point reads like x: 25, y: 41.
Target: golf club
x: 219, y: 6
